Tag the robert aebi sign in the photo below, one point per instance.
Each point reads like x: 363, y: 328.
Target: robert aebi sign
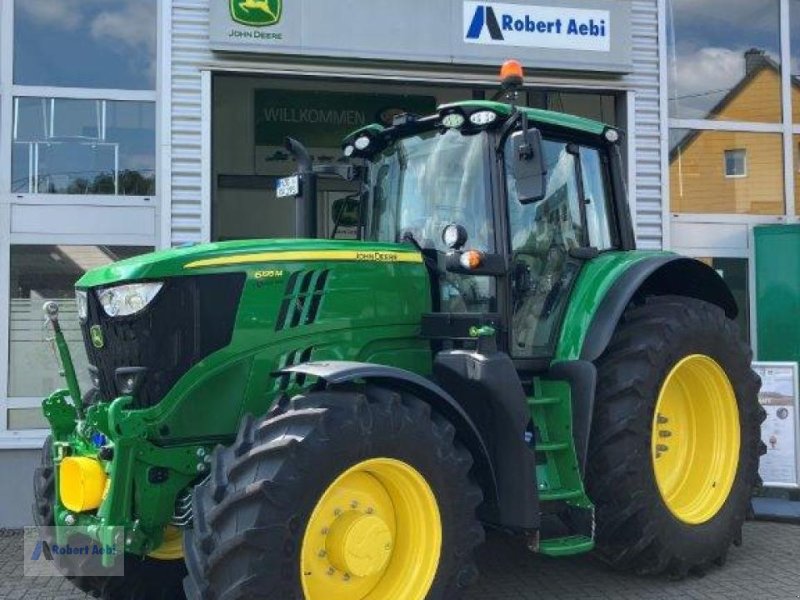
x: 566, y: 35
x: 494, y: 23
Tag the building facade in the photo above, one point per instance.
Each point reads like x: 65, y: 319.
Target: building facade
x: 144, y: 124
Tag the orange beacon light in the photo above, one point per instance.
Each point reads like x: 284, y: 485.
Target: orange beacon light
x: 511, y: 74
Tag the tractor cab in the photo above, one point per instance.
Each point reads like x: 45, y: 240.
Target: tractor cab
x: 504, y: 202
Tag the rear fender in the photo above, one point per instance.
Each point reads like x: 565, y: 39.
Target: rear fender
x: 671, y: 275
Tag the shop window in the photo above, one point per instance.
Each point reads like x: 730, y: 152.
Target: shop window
x: 724, y: 60
x: 699, y: 180
x: 736, y: 163
x: 69, y: 146
x: 40, y: 273
x: 74, y: 43
x: 734, y: 271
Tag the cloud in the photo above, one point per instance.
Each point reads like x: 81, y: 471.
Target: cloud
x: 706, y: 70
x: 66, y: 15
x: 63, y: 15
x: 132, y: 25
x: 699, y: 79
x: 131, y: 32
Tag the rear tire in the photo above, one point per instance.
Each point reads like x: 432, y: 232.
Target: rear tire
x: 639, y: 527
x: 144, y: 579
x: 254, y: 516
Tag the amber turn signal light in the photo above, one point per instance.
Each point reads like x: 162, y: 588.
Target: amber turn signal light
x: 471, y: 259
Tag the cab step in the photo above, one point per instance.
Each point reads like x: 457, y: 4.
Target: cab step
x: 566, y: 546
x: 560, y: 494
x: 544, y: 401
x: 552, y: 446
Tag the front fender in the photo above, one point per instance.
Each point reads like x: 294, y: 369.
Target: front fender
x: 339, y: 372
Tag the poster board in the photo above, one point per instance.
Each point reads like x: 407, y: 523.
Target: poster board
x: 780, y: 431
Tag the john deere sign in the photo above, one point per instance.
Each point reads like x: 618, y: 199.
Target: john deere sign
x: 583, y: 35
x: 256, y: 13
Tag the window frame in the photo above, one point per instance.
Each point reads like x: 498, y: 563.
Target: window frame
x: 89, y: 199
x: 9, y: 91
x: 785, y: 127
x: 733, y: 152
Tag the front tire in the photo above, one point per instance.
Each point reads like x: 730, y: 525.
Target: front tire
x: 673, y: 458
x: 359, y: 494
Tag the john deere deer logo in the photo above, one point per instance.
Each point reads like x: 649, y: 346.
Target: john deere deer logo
x: 256, y: 13
x: 96, y: 335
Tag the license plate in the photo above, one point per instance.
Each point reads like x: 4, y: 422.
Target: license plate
x: 288, y: 187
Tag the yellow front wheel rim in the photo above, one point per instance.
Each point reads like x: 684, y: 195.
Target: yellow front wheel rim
x: 696, y: 439
x: 376, y: 533
x: 171, y: 547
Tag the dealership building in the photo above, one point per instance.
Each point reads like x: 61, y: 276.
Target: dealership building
x: 134, y: 125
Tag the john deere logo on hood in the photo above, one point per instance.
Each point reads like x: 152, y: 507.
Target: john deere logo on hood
x: 256, y: 13
x: 97, y: 336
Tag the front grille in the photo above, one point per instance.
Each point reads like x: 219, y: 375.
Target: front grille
x: 190, y: 318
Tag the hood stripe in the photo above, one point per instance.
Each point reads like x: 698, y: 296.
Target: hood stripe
x: 377, y: 256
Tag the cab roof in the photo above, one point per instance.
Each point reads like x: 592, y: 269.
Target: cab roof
x: 535, y: 116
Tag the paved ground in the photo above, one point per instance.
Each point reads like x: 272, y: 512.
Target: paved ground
x: 766, y: 567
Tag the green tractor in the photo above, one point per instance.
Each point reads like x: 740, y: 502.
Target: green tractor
x: 341, y: 420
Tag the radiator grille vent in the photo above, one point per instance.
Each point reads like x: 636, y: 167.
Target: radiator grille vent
x: 295, y: 357
x: 302, y: 298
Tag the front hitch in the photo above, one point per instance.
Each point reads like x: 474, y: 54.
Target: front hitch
x: 67, y: 367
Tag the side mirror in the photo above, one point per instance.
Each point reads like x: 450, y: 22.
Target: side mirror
x: 526, y: 160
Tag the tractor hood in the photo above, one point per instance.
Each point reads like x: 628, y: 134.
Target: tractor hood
x: 240, y: 255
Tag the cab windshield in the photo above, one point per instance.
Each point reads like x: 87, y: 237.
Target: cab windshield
x: 421, y: 184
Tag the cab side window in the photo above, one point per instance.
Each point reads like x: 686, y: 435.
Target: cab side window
x: 542, y: 234
x: 598, y: 199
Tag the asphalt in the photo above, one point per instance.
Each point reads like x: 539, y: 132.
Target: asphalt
x: 767, y: 566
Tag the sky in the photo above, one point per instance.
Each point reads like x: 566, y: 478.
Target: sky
x: 86, y: 43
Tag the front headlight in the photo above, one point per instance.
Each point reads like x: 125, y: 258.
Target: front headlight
x: 124, y: 300
x: 82, y: 303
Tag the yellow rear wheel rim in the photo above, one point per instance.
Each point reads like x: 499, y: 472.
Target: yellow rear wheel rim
x: 696, y: 439
x: 376, y: 533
